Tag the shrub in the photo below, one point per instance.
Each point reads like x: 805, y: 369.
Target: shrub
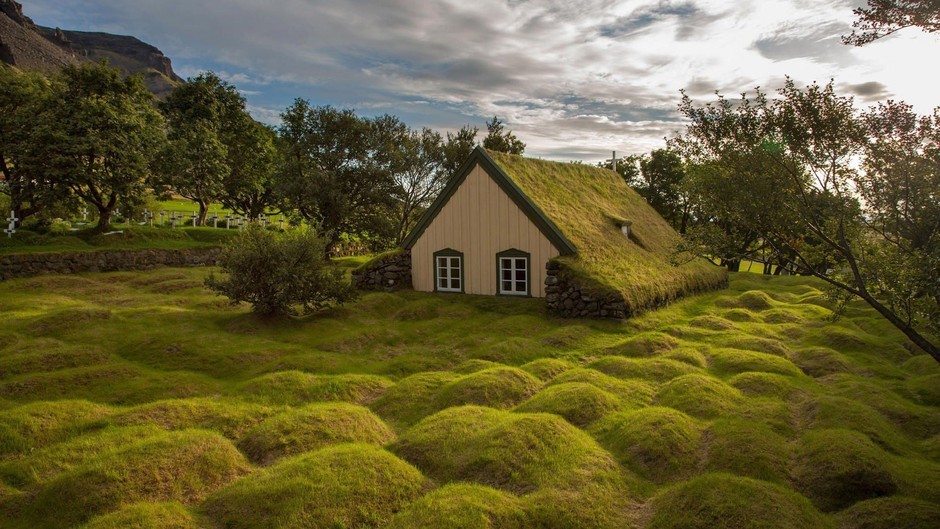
x: 579, y: 403
x: 462, y: 506
x: 277, y: 272
x: 313, y: 427
x: 658, y: 443
x: 352, y: 485
x: 723, y: 501
x: 836, y: 468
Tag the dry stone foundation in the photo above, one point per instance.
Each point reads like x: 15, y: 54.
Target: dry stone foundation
x: 566, y: 298
x: 385, y: 273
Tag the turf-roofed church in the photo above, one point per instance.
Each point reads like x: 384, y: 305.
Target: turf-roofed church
x: 573, y: 234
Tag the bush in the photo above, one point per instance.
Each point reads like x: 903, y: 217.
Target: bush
x: 277, y: 272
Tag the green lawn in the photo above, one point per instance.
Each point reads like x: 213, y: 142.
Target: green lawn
x: 142, y: 400
x: 130, y: 238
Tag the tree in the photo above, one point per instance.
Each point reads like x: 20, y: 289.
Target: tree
x: 885, y: 17
x: 418, y: 170
x: 22, y: 97
x: 659, y: 181
x: 335, y: 172
x: 457, y: 148
x: 99, y: 134
x: 193, y: 164
x: 792, y: 162
x: 501, y: 141
x: 208, y: 109
x: 280, y: 274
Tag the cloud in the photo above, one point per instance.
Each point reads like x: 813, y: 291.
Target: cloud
x: 869, y: 91
x: 568, y: 76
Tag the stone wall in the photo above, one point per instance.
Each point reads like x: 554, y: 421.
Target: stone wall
x: 385, y: 273
x: 27, y: 265
x: 566, y: 298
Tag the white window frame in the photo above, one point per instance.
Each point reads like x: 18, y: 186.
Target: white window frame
x: 514, y: 269
x: 445, y: 263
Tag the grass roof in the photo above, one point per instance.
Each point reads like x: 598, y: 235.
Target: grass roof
x: 588, y: 204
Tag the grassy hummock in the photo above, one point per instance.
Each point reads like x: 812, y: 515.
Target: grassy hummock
x: 349, y: 485
x: 462, y: 506
x: 312, y: 427
x: 579, y: 403
x: 170, y: 515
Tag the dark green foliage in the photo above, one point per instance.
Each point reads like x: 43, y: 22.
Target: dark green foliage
x: 279, y: 273
x: 501, y: 141
x: 350, y: 485
x: 723, y: 501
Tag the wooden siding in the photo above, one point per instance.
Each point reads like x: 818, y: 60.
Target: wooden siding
x: 480, y: 220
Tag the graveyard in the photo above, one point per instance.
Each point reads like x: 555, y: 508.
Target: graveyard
x: 139, y: 399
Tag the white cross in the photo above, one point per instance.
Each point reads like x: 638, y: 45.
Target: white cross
x: 613, y: 160
x: 84, y: 213
x: 12, y: 229
x: 195, y: 216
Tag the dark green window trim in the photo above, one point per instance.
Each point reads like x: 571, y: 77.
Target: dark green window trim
x: 479, y: 156
x: 514, y: 253
x: 449, y: 252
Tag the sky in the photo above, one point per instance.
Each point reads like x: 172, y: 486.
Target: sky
x: 573, y: 79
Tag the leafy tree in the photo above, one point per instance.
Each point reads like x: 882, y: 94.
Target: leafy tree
x: 193, y: 164
x: 501, y: 140
x: 659, y: 181
x: 457, y: 148
x: 241, y: 176
x: 280, y: 274
x: 418, y: 169
x: 885, y: 17
x: 99, y: 134
x: 791, y: 164
x: 335, y: 172
x: 22, y: 96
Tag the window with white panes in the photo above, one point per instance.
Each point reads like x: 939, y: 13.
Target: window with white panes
x: 449, y: 273
x: 514, y: 275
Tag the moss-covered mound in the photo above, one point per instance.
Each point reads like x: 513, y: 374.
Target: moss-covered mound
x: 313, y: 427
x: 169, y: 515
x: 44, y: 464
x: 177, y: 466
x: 839, y: 412
x: 727, y: 361
x: 655, y: 369
x: 231, y: 417
x: 37, y: 424
x: 892, y: 512
x: 298, y: 388
x: 352, y: 485
x: 579, y: 403
x: 588, y: 205
x: 605, y: 505
x: 925, y: 389
x: 759, y: 344
x: 723, y: 501
x: 763, y: 384
x: 700, y: 396
x: 517, y: 452
x: 633, y: 393
x: 645, y: 344
x: 546, y: 369
x: 660, y: 444
x: 412, y: 398
x: 462, y: 506
x: 836, y: 468
x: 821, y: 361
x: 500, y: 387
x: 746, y: 448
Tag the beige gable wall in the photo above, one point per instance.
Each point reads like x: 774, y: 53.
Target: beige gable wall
x: 480, y: 220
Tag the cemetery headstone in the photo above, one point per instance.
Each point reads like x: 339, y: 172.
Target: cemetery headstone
x: 11, y: 229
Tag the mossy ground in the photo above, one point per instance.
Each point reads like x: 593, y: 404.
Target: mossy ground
x: 141, y: 400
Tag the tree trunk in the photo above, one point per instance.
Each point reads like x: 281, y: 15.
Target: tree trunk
x: 203, y: 212
x: 902, y: 326
x: 104, y: 219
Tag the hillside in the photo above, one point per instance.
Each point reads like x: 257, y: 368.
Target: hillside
x: 141, y: 400
x: 31, y: 47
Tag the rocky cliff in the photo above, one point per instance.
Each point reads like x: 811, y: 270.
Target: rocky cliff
x: 31, y: 47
